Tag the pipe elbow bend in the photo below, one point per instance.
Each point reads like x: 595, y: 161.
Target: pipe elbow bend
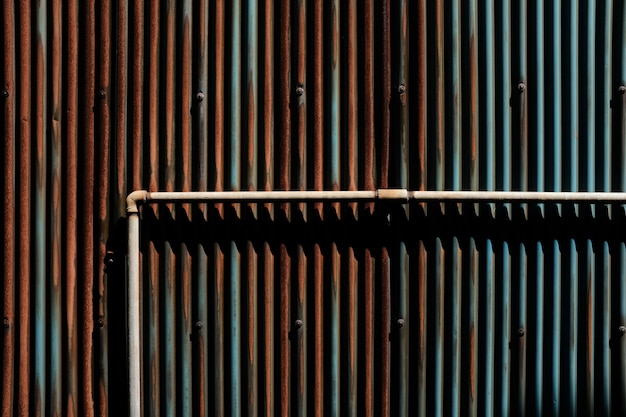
x: 134, y: 199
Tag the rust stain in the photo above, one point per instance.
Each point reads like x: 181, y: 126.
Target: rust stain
x: 268, y: 306
x: 120, y: 111
x: 285, y: 357
x: 284, y: 87
x: 369, y: 168
x: 218, y: 173
x: 153, y: 96
x: 85, y: 262
x: 420, y: 94
x: 268, y: 97
x: 24, y: 187
x: 251, y: 135
x: 185, y: 113
x: 386, y: 102
x: 137, y: 95
x: 318, y: 99
x: 368, y: 337
x: 353, y: 100
x: 318, y: 350
x: 385, y: 322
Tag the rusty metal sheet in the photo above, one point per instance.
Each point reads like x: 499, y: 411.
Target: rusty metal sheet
x: 324, y: 308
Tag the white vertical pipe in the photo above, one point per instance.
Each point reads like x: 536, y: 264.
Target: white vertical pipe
x: 134, y: 364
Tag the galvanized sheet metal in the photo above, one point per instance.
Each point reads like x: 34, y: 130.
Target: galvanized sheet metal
x: 323, y: 309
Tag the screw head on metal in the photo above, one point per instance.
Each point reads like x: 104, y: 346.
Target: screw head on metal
x: 299, y: 323
x: 5, y: 93
x: 101, y: 323
x: 200, y: 96
x: 198, y: 325
x: 400, y: 322
x: 300, y: 90
x: 622, y: 89
x: 521, y: 332
x: 6, y: 323
x: 402, y: 89
x: 621, y: 330
x: 521, y: 87
x: 103, y: 93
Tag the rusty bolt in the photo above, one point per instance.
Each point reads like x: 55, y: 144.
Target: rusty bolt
x: 521, y: 332
x: 400, y: 322
x: 300, y: 90
x: 622, y: 89
x: 622, y: 330
x: 6, y: 323
x: 198, y: 325
x: 5, y: 93
x: 521, y: 87
x: 402, y: 89
x: 200, y: 96
x: 103, y: 93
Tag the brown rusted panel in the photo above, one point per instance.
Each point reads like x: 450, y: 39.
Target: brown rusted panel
x: 368, y: 338
x: 284, y: 328
x: 8, y: 211
x: 153, y: 108
x: 384, y: 331
x: 318, y: 332
x: 352, y: 121
x: 420, y: 96
x: 137, y: 82
x: 284, y: 95
x: 24, y: 208
x: 87, y: 57
x: 218, y: 171
x: 120, y: 113
x: 74, y: 390
x: 368, y: 98
x: 267, y: 181
x: 299, y: 331
x: 252, y: 331
x: 103, y: 147
x: 268, y: 361
x: 385, y: 70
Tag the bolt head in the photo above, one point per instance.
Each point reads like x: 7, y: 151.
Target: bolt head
x: 102, y: 93
x: 521, y: 332
x: 300, y: 90
x: 402, y: 89
x: 200, y: 96
x: 400, y: 323
x: 622, y: 330
x: 5, y: 93
x: 521, y: 87
x: 622, y: 89
x: 299, y: 323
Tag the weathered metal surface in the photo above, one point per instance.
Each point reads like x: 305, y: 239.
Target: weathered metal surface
x: 319, y: 309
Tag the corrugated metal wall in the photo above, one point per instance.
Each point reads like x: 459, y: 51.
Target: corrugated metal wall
x: 319, y: 309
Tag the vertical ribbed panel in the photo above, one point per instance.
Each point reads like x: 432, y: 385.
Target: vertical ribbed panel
x: 327, y: 308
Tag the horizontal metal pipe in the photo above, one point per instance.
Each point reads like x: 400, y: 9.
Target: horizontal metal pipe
x: 518, y: 196
x: 396, y: 195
